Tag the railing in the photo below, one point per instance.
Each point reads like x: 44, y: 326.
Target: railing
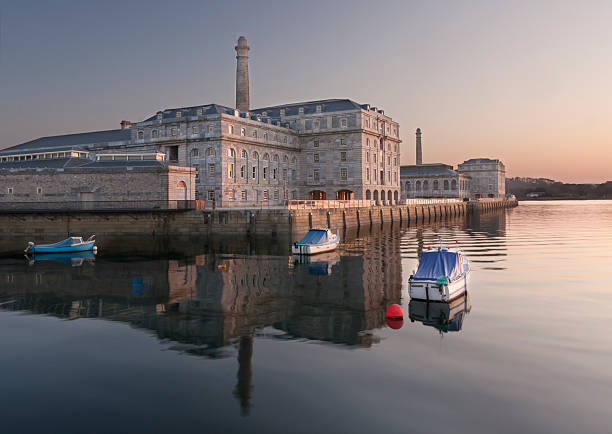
x: 100, y: 206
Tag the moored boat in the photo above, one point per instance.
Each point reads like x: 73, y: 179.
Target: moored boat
x: 69, y: 245
x: 316, y: 241
x: 442, y: 275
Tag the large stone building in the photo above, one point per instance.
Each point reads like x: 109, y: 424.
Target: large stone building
x: 328, y: 149
x: 473, y: 179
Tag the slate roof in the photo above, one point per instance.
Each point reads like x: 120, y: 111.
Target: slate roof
x: 480, y: 160
x: 208, y: 109
x: 437, y: 169
x: 69, y: 141
x: 55, y: 163
x: 123, y: 163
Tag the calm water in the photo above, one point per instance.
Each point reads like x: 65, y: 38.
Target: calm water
x: 234, y: 336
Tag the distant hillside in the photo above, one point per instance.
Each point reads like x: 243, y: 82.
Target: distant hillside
x: 542, y: 188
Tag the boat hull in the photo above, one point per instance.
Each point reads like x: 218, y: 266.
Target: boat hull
x: 430, y: 290
x: 313, y: 249
x: 84, y: 247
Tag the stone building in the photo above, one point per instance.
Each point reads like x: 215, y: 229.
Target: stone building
x: 327, y: 149
x: 488, y: 177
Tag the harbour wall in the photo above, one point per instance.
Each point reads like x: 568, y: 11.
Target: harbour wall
x: 291, y: 223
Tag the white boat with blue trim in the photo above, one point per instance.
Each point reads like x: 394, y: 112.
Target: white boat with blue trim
x: 316, y: 241
x: 69, y: 245
x: 443, y: 275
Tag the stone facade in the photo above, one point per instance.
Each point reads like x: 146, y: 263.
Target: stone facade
x: 488, y: 177
x: 97, y: 184
x: 434, y: 181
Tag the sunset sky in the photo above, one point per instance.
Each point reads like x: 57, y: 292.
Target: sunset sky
x: 529, y: 82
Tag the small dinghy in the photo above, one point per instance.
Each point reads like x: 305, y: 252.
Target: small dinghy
x: 316, y: 241
x: 442, y: 275
x: 72, y: 244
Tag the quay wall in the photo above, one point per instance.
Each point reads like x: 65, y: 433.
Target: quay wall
x: 292, y: 223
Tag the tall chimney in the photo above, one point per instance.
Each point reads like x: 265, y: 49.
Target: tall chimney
x: 419, y: 149
x: 242, y: 75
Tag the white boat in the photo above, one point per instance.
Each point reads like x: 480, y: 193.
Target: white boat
x: 445, y: 317
x: 443, y: 275
x: 316, y: 241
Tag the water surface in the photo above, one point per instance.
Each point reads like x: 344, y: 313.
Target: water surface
x: 235, y: 336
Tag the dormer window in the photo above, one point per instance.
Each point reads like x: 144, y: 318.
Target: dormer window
x: 140, y: 135
x: 264, y: 114
x: 242, y: 132
x: 316, y: 125
x: 173, y: 131
x: 159, y: 116
x: 318, y: 109
x: 282, y: 112
x: 199, y: 112
x: 343, y: 123
x: 178, y: 114
x: 155, y: 134
x: 301, y: 110
x: 194, y: 130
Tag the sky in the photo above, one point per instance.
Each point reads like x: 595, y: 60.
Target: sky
x: 528, y: 82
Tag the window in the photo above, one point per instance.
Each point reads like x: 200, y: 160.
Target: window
x: 173, y: 131
x: 199, y: 112
x: 274, y: 173
x: 315, y: 174
x: 316, y: 144
x: 343, y: 173
x: 194, y: 130
x: 9, y: 190
x: 154, y: 134
x: 210, y: 129
x: 230, y: 194
x: 211, y: 170
x: 159, y: 116
x: 315, y: 157
x: 375, y: 158
x: 242, y: 132
x: 242, y: 171
x: 342, y: 142
x: 231, y: 152
x: 368, y: 142
x: 275, y: 158
x: 276, y: 137
x: 284, y: 173
x: 265, y: 173
x: 382, y: 146
x: 197, y: 171
x: 388, y: 161
x: 178, y: 114
x: 301, y: 110
x: 265, y: 136
x: 343, y: 156
x: 285, y: 139
x: 388, y: 176
x: 343, y: 123
x: 368, y: 173
x: 395, y: 177
x: 316, y: 125
x: 293, y: 172
x: 285, y: 159
x: 140, y: 135
x: 264, y: 114
x: 265, y: 195
x: 230, y: 170
x: 254, y: 134
x: 275, y: 194
x: 243, y: 154
x: 243, y: 195
x: 195, y: 152
x: 282, y: 112
x: 446, y: 184
x: 266, y: 157
x: 318, y: 108
x: 255, y: 155
x: 210, y: 152
x: 39, y: 190
x: 254, y: 172
x: 293, y: 160
x: 231, y: 129
x: 367, y: 157
x: 211, y: 195
x: 395, y: 161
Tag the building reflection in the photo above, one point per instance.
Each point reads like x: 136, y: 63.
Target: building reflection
x: 213, y: 304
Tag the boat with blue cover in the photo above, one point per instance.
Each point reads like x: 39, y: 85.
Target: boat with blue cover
x: 442, y: 275
x: 316, y: 241
x: 69, y: 245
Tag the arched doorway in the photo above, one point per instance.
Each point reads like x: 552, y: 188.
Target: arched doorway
x: 376, y: 195
x: 344, y: 195
x: 317, y: 195
x: 382, y: 195
x: 181, y: 191
x: 395, y: 196
x: 368, y: 195
x: 390, y: 196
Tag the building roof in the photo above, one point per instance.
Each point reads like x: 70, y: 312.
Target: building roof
x: 480, y: 161
x: 123, y: 163
x: 70, y: 141
x: 435, y: 169
x: 208, y: 109
x: 54, y: 163
x: 310, y: 107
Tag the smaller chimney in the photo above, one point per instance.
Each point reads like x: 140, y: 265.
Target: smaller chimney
x: 419, y: 149
x: 126, y: 125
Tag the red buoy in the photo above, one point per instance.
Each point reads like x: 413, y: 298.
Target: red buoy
x: 395, y: 323
x: 395, y: 311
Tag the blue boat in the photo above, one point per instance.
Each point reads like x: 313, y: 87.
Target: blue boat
x: 72, y: 244
x: 74, y: 259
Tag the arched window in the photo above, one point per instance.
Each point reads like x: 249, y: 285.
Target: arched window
x: 293, y: 160
x: 285, y: 159
x: 390, y: 195
x: 244, y: 154
x: 368, y: 142
x: 231, y: 152
x: 210, y: 152
x: 395, y: 196
x: 368, y: 195
x: 375, y: 194
x: 255, y: 155
x: 195, y: 152
x: 425, y: 185
x: 382, y: 146
x: 454, y: 184
x: 446, y: 184
x: 382, y: 195
x: 436, y: 184
x: 266, y: 157
x: 418, y: 186
x: 275, y: 158
x: 408, y: 186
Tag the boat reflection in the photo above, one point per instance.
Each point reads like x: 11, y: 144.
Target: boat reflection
x: 75, y: 259
x: 318, y: 265
x: 444, y: 317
